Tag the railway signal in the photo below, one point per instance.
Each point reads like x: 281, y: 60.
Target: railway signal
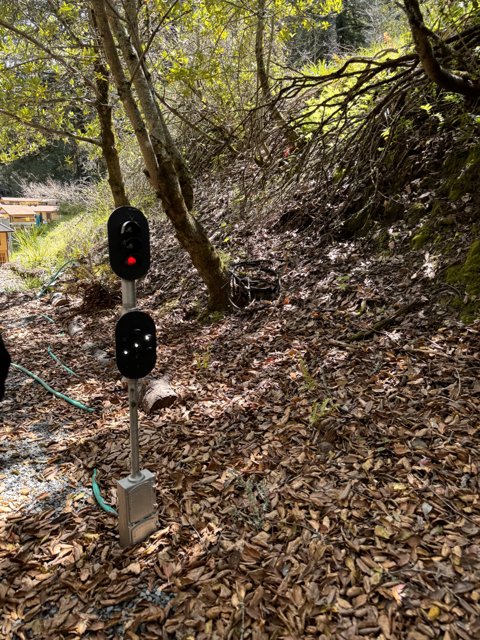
x: 135, y: 346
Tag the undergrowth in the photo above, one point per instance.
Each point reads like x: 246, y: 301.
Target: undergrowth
x: 72, y: 237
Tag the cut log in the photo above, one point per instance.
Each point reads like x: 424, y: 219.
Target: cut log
x: 156, y: 394
x: 76, y: 326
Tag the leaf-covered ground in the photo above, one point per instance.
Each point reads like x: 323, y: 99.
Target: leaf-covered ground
x: 310, y: 483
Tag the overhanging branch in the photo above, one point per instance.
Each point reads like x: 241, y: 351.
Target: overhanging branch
x: 444, y: 78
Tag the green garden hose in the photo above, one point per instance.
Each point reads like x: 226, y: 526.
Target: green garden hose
x: 75, y: 403
x: 98, y: 496
x: 64, y: 366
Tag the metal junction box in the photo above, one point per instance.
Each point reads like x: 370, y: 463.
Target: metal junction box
x: 137, y: 517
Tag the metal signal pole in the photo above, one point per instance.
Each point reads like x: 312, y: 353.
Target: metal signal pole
x: 129, y: 302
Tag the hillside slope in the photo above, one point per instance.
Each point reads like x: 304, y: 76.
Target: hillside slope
x: 317, y: 477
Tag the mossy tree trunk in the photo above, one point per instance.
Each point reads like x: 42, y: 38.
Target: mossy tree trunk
x: 462, y: 84
x: 107, y: 136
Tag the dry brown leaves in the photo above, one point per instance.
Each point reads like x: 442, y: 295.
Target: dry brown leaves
x: 308, y: 487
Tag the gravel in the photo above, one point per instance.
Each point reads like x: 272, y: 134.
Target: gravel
x: 10, y: 281
x: 23, y: 465
x: 116, y: 616
x: 124, y: 610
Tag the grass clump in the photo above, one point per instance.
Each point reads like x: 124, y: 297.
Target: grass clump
x: 82, y: 223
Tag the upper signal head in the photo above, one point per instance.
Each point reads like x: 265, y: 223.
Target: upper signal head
x: 129, y: 243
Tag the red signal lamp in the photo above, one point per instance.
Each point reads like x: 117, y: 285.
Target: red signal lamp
x: 131, y: 261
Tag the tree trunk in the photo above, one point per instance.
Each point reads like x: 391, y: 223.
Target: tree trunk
x: 131, y: 47
x: 165, y: 168
x: 263, y: 80
x: 107, y: 136
x: 433, y: 69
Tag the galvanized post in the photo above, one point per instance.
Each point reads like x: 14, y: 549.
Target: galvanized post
x: 129, y: 301
x: 129, y: 295
x: 134, y: 445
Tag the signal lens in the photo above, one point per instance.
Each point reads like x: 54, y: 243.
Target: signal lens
x: 131, y: 261
x: 130, y: 228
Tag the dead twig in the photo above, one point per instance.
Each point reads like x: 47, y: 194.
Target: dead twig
x: 385, y: 322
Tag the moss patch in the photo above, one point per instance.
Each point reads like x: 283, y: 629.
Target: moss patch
x: 461, y: 170
x: 358, y: 224
x: 415, y: 213
x: 467, y: 311
x: 168, y: 306
x: 468, y: 274
x: 468, y: 277
x: 393, y: 210
x: 382, y: 238
x: 421, y: 238
x: 447, y: 221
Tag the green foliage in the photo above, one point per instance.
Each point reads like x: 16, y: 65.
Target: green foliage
x: 364, y: 22
x: 38, y: 250
x: 343, y: 282
x: 46, y: 85
x: 202, y: 360
x: 309, y: 381
x: 41, y: 166
x: 319, y: 410
x: 29, y: 249
x: 205, y: 59
x: 450, y: 14
x: 323, y: 109
x: 202, y: 57
x: 31, y: 282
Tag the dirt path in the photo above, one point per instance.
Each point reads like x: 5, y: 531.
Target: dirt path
x: 30, y: 435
